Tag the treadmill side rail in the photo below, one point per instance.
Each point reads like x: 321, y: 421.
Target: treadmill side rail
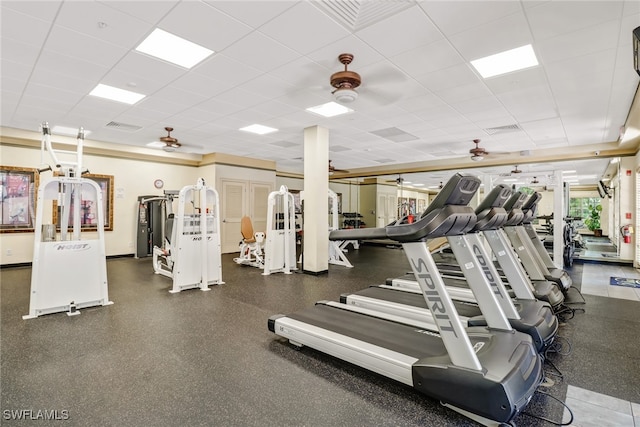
x: 385, y: 362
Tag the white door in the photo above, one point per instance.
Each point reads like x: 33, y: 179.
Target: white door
x: 382, y: 207
x: 258, y: 204
x: 233, y: 208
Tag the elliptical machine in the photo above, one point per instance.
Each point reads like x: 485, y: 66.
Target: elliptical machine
x: 69, y: 269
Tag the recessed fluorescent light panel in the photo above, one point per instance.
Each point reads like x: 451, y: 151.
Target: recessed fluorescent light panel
x: 259, y: 129
x: 506, y: 62
x: 63, y: 130
x: 330, y: 109
x: 174, y: 49
x: 156, y: 144
x: 115, y: 94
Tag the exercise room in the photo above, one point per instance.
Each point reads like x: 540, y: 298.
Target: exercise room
x: 320, y: 213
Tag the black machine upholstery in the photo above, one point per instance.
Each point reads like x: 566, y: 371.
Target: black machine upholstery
x: 447, y: 214
x: 490, y: 214
x: 513, y: 206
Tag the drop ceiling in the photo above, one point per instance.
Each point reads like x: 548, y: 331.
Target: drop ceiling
x: 420, y: 99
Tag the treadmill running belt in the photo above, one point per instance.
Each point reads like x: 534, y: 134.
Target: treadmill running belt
x: 414, y: 300
x: 404, y: 339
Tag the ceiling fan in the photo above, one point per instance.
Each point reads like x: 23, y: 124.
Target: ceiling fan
x: 477, y: 153
x: 398, y: 181
x: 333, y: 169
x: 345, y: 82
x: 170, y: 143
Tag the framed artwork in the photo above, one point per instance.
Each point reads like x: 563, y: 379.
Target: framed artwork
x: 18, y: 187
x: 89, y: 220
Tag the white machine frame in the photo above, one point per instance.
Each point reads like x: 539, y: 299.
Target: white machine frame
x: 338, y: 248
x: 69, y: 271
x: 280, y: 243
x: 191, y: 260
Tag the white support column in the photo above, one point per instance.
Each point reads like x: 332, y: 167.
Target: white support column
x: 316, y: 188
x: 558, y: 220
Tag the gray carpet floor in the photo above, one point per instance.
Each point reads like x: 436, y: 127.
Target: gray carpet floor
x: 206, y: 358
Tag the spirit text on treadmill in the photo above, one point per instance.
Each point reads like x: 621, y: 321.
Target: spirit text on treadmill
x: 431, y: 294
x: 485, y: 269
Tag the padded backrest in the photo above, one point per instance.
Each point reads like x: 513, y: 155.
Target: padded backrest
x: 246, y: 228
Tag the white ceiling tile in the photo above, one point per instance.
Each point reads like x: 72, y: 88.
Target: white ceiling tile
x: 24, y: 28
x: 529, y: 104
x: 446, y: 78
x: 459, y: 16
x: 553, y: 18
x: 261, y: 52
x: 477, y: 104
x: 581, y: 42
x: 147, y: 67
x: 200, y: 84
x: 14, y: 75
x: 150, y: 11
x: 45, y: 10
x: 70, y: 66
x: 543, y: 130
x: 497, y: 36
x: 417, y: 30
x: 64, y: 100
x: 203, y: 24
x: 137, y: 82
x: 19, y: 52
x: 458, y: 94
x: 517, y: 80
x: 84, y: 17
x: 73, y: 44
x: 268, y: 86
x: 303, y: 28
x: 363, y: 54
x: 252, y: 13
x: 428, y: 58
x: 227, y: 71
x: 578, y: 74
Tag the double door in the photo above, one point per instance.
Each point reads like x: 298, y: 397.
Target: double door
x: 242, y: 198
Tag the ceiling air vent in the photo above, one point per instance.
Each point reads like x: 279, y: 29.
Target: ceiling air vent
x: 502, y: 129
x: 123, y: 126
x: 358, y: 14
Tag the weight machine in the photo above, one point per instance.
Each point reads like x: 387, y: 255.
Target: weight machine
x: 337, y: 248
x: 69, y: 269
x: 152, y: 218
x: 191, y: 255
x: 273, y: 250
x: 280, y: 239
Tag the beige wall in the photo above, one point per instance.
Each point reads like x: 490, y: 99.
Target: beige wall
x: 132, y: 178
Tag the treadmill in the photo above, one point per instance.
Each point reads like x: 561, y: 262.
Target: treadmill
x: 556, y: 275
x: 542, y: 289
x: 489, y: 374
x: 525, y: 314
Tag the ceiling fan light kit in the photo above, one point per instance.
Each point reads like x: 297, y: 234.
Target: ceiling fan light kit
x: 477, y: 158
x: 345, y: 82
x: 345, y: 95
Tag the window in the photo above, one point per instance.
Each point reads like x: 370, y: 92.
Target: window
x: 579, y: 206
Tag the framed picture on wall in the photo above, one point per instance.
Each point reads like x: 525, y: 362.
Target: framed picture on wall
x: 89, y: 216
x: 18, y: 187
